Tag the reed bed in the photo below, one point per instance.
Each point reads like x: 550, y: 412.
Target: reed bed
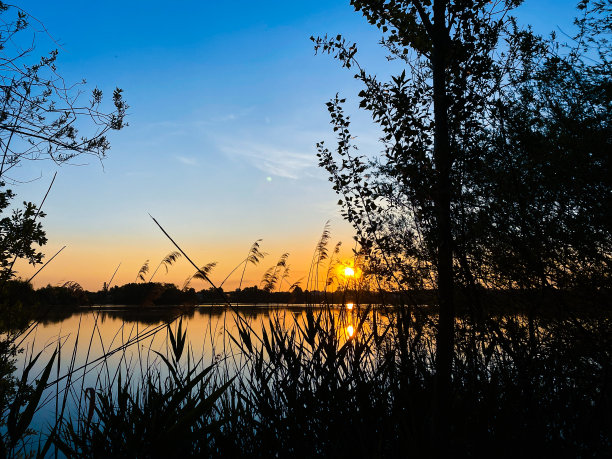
x: 324, y: 382
x: 303, y: 386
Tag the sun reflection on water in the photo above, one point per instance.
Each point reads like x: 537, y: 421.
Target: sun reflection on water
x: 350, y: 331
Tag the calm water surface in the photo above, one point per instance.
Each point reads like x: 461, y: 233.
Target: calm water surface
x: 98, y: 344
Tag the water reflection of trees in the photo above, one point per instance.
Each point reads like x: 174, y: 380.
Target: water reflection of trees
x: 550, y: 379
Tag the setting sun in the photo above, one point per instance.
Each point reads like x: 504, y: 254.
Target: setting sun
x: 349, y: 272
x: 349, y: 306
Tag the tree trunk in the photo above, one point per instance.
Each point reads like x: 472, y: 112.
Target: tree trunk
x: 442, y: 159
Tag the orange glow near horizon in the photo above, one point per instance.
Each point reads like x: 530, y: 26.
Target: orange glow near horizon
x: 349, y: 272
x: 349, y: 306
x: 93, y: 265
x: 350, y: 331
x: 91, y: 260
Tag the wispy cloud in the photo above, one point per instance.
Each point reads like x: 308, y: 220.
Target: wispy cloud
x: 230, y: 117
x: 273, y: 160
x: 227, y: 117
x: 187, y: 160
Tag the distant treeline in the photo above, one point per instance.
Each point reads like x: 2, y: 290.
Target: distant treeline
x: 151, y: 294
x: 20, y: 303
x: 22, y: 295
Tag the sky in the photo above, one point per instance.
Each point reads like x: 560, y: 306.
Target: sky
x: 227, y: 101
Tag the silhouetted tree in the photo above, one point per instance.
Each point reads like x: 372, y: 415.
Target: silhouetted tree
x: 41, y: 118
x: 495, y: 164
x: 39, y: 115
x: 404, y: 204
x: 19, y: 232
x: 545, y: 179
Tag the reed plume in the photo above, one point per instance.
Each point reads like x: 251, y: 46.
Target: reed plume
x: 167, y: 261
x: 270, y: 278
x: 254, y: 257
x: 144, y: 269
x: 201, y: 274
x: 283, y: 277
x: 320, y: 255
x: 73, y: 285
x: 333, y: 262
x: 295, y: 285
x: 204, y: 271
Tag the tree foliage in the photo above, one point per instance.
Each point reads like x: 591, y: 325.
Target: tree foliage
x: 42, y: 117
x: 494, y: 170
x: 545, y: 177
x: 529, y: 136
x: 18, y: 232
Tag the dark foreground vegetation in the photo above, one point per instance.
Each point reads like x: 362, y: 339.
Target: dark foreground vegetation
x: 309, y: 389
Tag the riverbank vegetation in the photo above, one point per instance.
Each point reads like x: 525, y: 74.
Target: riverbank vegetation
x: 345, y: 382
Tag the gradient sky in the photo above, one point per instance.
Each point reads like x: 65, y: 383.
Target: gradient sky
x: 227, y: 101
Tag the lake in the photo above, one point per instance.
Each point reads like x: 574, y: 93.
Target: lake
x: 557, y: 358
x: 96, y: 344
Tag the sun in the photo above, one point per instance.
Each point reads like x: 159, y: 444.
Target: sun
x: 349, y: 272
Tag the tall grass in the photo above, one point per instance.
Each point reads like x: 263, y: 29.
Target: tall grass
x: 156, y: 416
x: 306, y: 387
x: 332, y: 382
x: 309, y: 390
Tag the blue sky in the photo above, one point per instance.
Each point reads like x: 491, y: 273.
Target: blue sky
x: 227, y: 102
